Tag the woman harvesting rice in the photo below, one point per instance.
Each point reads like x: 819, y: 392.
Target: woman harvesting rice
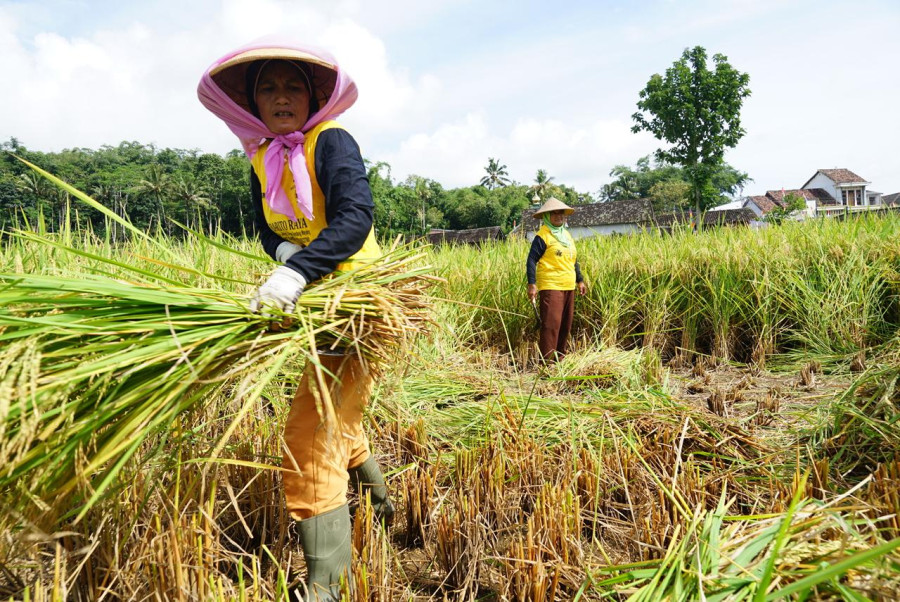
x: 553, y: 273
x: 314, y: 215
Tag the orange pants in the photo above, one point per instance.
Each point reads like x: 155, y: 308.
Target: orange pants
x: 318, y: 453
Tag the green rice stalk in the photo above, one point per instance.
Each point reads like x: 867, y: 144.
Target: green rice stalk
x: 93, y: 364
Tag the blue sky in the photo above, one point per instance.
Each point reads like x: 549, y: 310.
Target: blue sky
x: 448, y: 83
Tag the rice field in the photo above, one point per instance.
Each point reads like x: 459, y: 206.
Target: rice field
x: 724, y: 429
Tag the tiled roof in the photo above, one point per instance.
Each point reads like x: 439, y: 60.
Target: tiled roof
x: 891, y: 199
x: 842, y: 176
x: 471, y: 236
x: 664, y: 220
x: 838, y: 176
x: 820, y: 195
x: 729, y: 216
x: 764, y: 203
x: 632, y: 211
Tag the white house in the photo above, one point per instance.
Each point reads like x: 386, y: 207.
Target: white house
x: 847, y: 189
x: 829, y: 192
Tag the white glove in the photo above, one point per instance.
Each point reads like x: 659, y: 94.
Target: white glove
x: 285, y: 251
x: 280, y: 291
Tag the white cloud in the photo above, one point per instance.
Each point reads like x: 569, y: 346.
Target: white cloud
x: 454, y: 150
x: 577, y: 155
x: 90, y: 91
x: 139, y: 83
x: 389, y: 100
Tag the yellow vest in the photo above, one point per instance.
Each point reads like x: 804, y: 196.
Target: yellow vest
x: 304, y: 231
x: 556, y: 267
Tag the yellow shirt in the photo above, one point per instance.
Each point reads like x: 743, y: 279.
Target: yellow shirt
x: 555, y: 270
x: 303, y: 231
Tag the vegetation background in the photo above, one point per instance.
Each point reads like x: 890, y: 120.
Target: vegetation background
x: 153, y: 186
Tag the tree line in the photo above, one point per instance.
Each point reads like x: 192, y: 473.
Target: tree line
x: 150, y: 186
x: 157, y: 187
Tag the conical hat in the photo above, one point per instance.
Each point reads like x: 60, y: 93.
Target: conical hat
x: 230, y: 75
x: 553, y: 204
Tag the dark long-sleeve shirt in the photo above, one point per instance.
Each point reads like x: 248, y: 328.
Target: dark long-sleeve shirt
x: 538, y: 246
x: 349, y: 210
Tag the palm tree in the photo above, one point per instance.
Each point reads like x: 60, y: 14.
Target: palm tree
x: 542, y: 184
x: 622, y: 188
x: 425, y: 194
x: 496, y: 175
x: 34, y: 184
x: 102, y: 193
x: 158, y: 186
x: 192, y: 196
x: 116, y: 199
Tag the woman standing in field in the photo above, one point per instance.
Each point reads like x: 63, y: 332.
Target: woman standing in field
x: 553, y: 274
x: 314, y: 215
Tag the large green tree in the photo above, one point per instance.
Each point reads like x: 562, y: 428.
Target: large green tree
x: 478, y: 207
x: 635, y: 182
x: 193, y: 198
x: 157, y: 185
x: 697, y: 111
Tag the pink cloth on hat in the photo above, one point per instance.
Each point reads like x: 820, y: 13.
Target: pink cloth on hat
x: 252, y: 132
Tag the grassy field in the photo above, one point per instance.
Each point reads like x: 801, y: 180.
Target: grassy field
x: 725, y: 429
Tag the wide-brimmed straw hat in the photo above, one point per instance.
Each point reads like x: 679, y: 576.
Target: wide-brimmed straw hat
x: 231, y: 75
x: 553, y: 204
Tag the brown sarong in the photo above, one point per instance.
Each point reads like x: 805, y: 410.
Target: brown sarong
x: 557, y: 309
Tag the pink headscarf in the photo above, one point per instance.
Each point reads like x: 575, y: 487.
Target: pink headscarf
x: 252, y: 132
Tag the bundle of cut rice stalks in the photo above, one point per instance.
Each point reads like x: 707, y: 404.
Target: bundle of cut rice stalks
x: 93, y: 365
